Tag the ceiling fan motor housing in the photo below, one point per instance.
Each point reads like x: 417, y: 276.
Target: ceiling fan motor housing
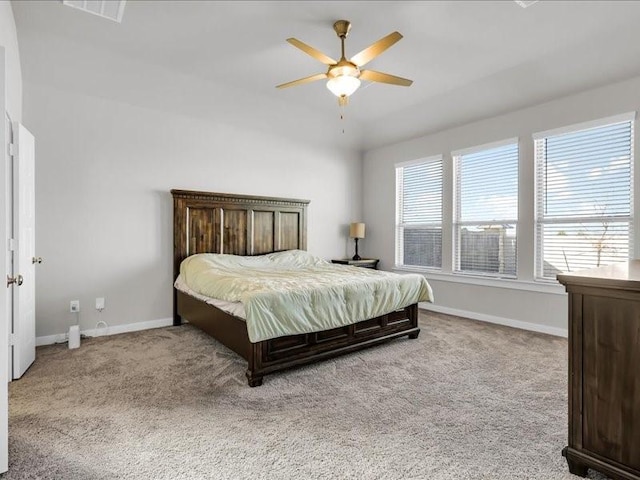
x: 342, y: 28
x: 343, y: 67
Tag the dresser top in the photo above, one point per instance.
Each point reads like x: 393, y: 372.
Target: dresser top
x: 619, y: 274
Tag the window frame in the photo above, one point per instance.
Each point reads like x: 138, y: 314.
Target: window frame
x: 457, y: 224
x: 400, y: 226
x: 540, y: 192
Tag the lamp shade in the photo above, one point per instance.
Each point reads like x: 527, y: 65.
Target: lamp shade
x: 343, y: 85
x: 356, y: 230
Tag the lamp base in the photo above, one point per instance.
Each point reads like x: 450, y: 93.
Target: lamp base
x: 356, y: 256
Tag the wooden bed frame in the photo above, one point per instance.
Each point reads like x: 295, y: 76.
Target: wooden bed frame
x: 249, y: 225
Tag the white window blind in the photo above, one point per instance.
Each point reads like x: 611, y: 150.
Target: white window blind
x: 584, y: 197
x: 486, y: 210
x: 419, y: 214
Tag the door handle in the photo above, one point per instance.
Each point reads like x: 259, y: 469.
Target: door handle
x: 36, y: 260
x: 17, y: 280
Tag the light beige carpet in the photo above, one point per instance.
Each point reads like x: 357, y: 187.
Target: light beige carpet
x: 466, y: 400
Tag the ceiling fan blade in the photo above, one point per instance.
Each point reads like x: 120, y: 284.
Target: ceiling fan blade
x: 372, y: 51
x: 317, y: 54
x: 380, y: 77
x: 302, y: 81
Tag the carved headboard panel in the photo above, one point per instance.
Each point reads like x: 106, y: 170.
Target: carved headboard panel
x: 206, y: 222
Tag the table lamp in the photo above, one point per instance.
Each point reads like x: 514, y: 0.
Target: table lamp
x: 356, y: 231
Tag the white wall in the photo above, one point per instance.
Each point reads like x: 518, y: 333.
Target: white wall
x: 9, y: 40
x: 104, y: 211
x: 114, y: 134
x: 544, y: 310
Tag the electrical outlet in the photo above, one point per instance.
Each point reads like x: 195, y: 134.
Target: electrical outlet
x: 74, y: 306
x: 100, y: 304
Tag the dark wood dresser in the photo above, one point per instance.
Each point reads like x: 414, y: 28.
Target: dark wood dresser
x: 604, y: 370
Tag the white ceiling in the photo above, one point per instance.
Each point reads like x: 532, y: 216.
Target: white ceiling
x: 468, y: 59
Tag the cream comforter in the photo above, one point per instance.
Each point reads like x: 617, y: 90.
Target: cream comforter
x: 293, y: 292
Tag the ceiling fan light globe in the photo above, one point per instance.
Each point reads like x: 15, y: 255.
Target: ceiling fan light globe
x: 343, y: 86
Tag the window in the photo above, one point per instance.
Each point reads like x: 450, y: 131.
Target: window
x: 486, y: 209
x: 584, y: 201
x: 419, y: 213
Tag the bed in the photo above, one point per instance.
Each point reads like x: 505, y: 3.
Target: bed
x: 245, y: 225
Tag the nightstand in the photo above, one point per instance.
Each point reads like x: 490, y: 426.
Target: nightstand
x: 364, y: 263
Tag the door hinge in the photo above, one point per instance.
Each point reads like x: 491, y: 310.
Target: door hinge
x: 11, y: 244
x: 13, y: 150
x: 13, y: 339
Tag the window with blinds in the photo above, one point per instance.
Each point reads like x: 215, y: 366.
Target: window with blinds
x: 584, y: 198
x: 419, y: 213
x: 486, y: 209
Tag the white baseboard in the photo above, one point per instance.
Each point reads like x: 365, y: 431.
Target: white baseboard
x: 166, y: 322
x: 534, y: 327
x: 111, y: 330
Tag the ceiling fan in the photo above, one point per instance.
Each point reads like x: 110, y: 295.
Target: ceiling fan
x: 345, y: 75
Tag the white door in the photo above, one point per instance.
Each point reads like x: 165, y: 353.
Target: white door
x: 24, y: 300
x: 4, y: 317
x: 8, y: 231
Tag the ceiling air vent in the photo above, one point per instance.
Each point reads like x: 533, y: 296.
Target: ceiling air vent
x: 111, y: 9
x: 526, y: 3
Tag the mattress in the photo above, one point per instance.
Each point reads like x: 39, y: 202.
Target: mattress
x: 232, y: 308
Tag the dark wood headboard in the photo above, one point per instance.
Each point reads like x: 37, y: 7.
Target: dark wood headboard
x: 205, y: 222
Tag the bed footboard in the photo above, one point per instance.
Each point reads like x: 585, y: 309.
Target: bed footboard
x: 281, y: 353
